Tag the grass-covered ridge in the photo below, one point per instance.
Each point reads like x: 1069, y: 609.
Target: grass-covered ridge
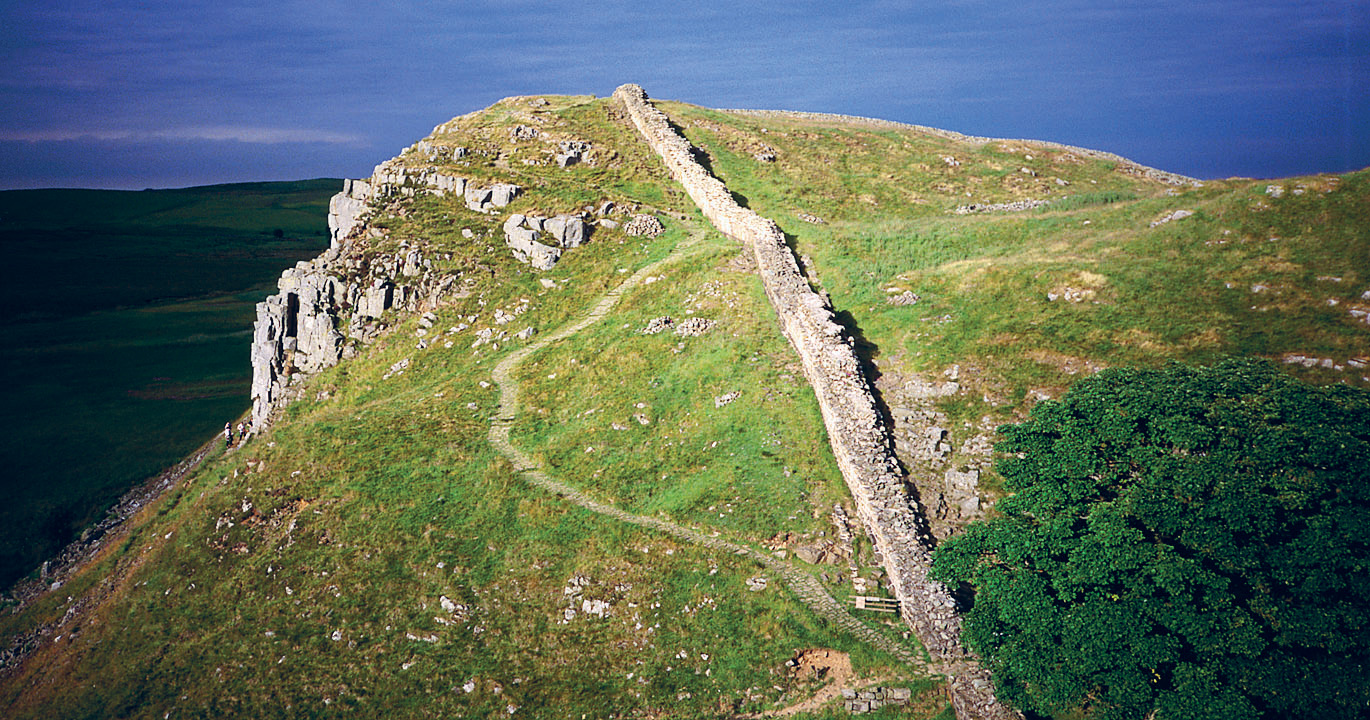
x: 1024, y: 302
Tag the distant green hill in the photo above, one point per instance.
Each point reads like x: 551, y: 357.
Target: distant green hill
x: 605, y: 489
x: 86, y: 250
x: 126, y: 317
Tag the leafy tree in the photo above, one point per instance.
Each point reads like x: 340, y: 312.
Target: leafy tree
x: 1193, y: 543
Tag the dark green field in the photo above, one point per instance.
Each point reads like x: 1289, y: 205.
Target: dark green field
x: 126, y: 319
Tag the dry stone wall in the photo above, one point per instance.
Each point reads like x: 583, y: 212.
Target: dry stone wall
x: 860, y: 441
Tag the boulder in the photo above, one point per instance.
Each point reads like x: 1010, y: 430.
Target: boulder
x: 502, y: 194
x: 568, y: 230
x: 523, y: 242
x: 476, y: 198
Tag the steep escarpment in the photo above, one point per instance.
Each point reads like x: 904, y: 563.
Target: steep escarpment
x: 859, y: 438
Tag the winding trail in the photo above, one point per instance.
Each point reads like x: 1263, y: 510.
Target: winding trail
x: 804, y: 585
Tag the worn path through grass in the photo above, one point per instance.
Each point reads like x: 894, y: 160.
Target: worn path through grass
x: 805, y: 586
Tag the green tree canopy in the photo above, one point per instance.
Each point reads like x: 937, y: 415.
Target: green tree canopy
x: 1192, y: 542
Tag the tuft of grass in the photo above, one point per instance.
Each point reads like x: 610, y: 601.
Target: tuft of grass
x: 1084, y: 200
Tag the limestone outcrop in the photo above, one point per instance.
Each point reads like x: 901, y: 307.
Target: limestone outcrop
x: 522, y: 233
x: 860, y: 440
x: 327, y: 305
x: 347, y: 209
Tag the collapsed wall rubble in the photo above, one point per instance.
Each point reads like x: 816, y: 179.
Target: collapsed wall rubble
x: 860, y: 440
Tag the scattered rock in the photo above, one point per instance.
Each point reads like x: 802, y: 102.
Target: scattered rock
x: 396, y: 369
x: 726, y: 398
x: 572, y: 151
x: 657, y: 324
x: 904, y: 298
x: 644, y: 226
x: 1015, y: 206
x: 1177, y: 215
x: 1071, y: 294
x: 858, y: 702
x: 693, y: 327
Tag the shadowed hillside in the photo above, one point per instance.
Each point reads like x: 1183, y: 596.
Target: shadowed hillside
x: 125, y: 317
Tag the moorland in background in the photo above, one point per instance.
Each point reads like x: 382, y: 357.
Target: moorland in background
x: 126, y: 318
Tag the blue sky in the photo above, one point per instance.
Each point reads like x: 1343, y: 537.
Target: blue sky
x: 165, y: 93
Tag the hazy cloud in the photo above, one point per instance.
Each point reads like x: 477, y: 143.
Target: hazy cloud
x: 255, y: 135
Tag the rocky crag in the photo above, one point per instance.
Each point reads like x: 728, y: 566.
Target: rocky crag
x: 328, y: 305
x: 860, y: 440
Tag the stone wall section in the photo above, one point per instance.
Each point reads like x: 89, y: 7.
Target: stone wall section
x: 860, y: 440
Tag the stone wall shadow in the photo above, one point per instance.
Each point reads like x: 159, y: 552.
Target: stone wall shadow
x: 706, y: 161
x: 866, y: 351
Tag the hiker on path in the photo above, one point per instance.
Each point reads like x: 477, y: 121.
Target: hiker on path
x: 228, y: 435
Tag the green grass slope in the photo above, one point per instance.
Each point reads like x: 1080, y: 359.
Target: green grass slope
x: 373, y: 554
x: 1026, y: 302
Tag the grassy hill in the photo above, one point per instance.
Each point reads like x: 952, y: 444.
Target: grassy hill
x: 375, y: 554
x: 125, y: 321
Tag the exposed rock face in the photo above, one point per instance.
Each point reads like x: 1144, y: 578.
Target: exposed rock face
x: 392, y: 179
x: 347, y: 209
x: 522, y: 233
x: 860, y: 441
x: 296, y: 328
x: 340, y: 296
